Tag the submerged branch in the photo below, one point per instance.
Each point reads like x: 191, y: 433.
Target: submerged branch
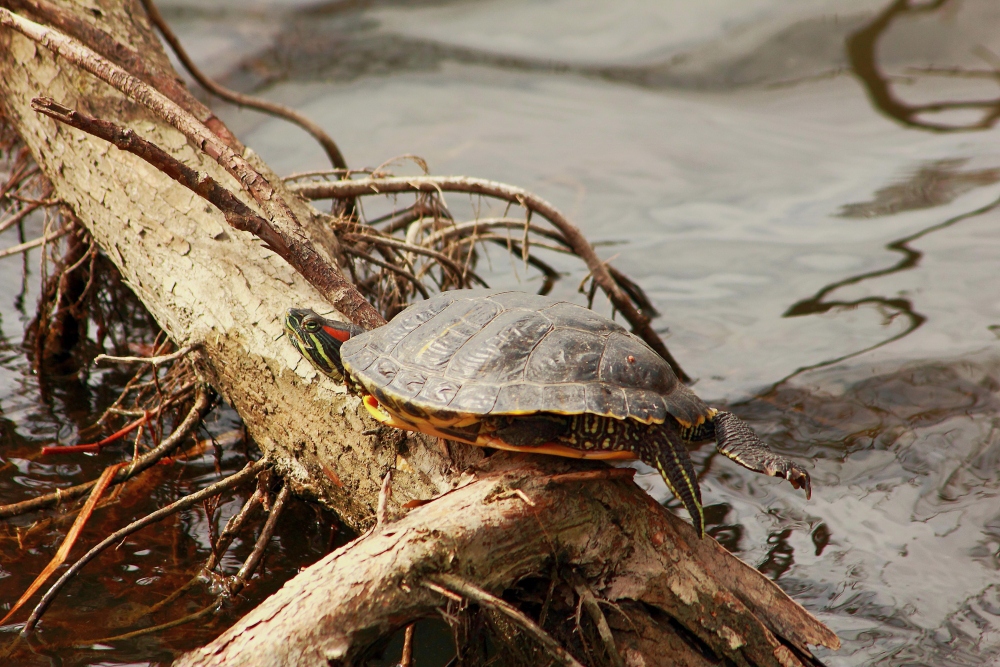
x: 232, y: 481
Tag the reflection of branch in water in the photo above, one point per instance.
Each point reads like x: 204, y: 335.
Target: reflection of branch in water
x: 818, y: 304
x: 861, y: 47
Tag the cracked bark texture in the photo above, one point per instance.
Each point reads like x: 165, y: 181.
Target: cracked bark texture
x: 209, y: 285
x: 205, y: 283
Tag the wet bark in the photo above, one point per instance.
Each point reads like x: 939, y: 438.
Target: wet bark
x: 218, y: 289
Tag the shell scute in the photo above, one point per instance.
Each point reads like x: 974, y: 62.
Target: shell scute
x: 630, y: 363
x: 524, y: 398
x: 605, y: 400
x: 572, y: 316
x: 500, y: 350
x: 384, y: 339
x: 407, y: 382
x: 475, y: 398
x: 432, y: 346
x: 645, y: 406
x: 438, y: 391
x: 566, y: 355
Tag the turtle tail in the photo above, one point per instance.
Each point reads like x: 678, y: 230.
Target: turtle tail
x: 665, y: 451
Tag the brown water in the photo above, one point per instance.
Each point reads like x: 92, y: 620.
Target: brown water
x: 807, y: 189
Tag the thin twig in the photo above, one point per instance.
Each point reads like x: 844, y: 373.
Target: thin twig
x: 446, y: 262
x: 287, y: 239
x: 41, y: 240
x: 384, y: 493
x: 574, y: 237
x: 19, y: 216
x: 233, y: 527
x: 156, y: 628
x: 390, y: 267
x: 195, y: 415
x: 457, y: 585
x: 406, y: 660
x: 239, y: 581
x: 248, y: 472
x: 593, y: 609
x: 268, y: 107
x: 155, y: 361
x: 489, y: 223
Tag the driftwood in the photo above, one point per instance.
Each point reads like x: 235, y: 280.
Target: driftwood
x: 491, y: 522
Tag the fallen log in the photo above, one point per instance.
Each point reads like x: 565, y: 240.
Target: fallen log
x: 491, y: 523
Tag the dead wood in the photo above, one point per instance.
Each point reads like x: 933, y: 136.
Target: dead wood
x: 611, y: 533
x: 217, y: 290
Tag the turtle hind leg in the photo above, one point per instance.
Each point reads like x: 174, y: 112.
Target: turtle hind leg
x: 735, y: 439
x: 663, y: 448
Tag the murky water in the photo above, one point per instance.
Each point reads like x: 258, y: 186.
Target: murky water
x: 808, y: 190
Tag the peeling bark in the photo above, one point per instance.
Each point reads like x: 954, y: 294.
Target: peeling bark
x: 220, y: 291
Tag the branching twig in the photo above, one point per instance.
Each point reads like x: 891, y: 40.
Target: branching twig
x: 41, y: 240
x: 154, y: 361
x: 140, y: 66
x: 239, y: 581
x: 248, y: 472
x: 233, y: 527
x: 419, y: 286
x: 574, y: 237
x: 589, y: 603
x: 458, y: 586
x: 266, y: 106
x: 292, y: 247
x: 197, y: 412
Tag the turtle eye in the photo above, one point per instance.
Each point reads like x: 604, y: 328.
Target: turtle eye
x: 311, y: 325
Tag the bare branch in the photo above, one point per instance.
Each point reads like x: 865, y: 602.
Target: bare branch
x: 243, y: 576
x: 247, y: 473
x: 482, y: 598
x: 154, y: 361
x: 197, y: 412
x: 266, y: 106
x: 294, y: 248
x: 34, y: 243
x: 574, y: 237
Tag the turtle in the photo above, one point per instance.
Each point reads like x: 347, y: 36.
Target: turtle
x: 531, y: 373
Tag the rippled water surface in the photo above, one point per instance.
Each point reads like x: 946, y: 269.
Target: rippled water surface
x: 807, y: 189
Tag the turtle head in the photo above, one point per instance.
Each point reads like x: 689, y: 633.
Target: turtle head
x: 319, y: 339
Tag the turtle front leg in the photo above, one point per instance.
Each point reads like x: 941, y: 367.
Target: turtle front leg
x: 736, y: 440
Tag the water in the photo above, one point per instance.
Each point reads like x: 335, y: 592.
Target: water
x: 817, y: 224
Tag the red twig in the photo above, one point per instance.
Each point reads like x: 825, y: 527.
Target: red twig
x: 96, y: 446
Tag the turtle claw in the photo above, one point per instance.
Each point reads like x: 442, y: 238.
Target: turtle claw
x: 799, y: 479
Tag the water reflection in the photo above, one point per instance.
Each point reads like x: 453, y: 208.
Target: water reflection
x: 862, y: 49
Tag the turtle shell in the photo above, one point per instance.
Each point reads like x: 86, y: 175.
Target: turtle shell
x: 473, y: 353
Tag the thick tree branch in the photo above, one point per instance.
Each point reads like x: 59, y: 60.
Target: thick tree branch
x: 484, y: 532
x: 340, y: 292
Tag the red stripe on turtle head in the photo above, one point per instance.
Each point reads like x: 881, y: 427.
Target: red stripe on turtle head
x: 340, y: 334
